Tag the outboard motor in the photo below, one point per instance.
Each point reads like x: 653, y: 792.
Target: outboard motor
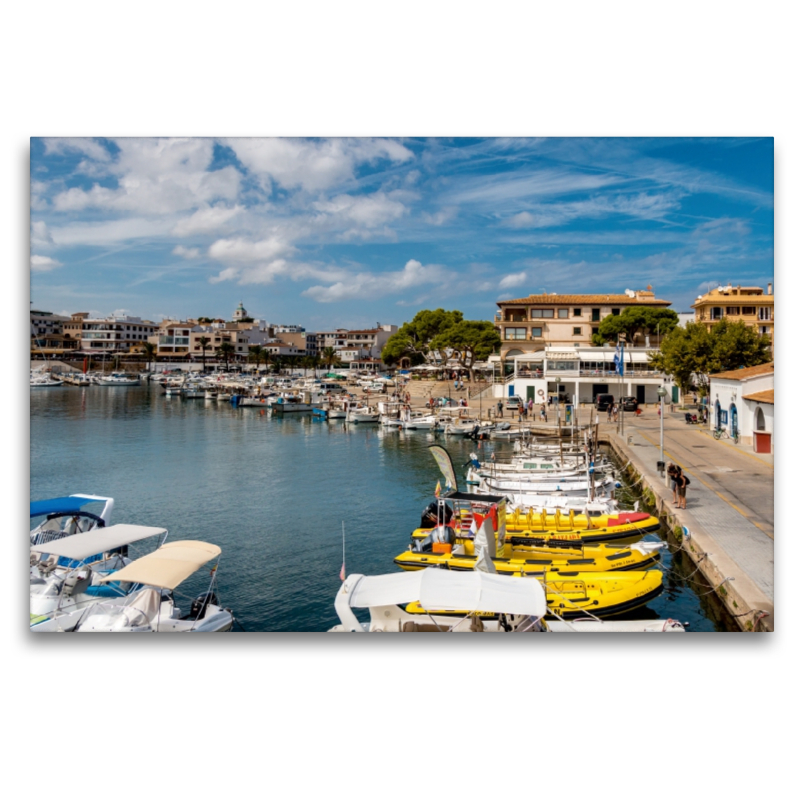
x: 200, y: 604
x: 430, y: 515
x: 443, y: 533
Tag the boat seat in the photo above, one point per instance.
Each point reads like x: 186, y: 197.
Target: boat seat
x: 421, y: 627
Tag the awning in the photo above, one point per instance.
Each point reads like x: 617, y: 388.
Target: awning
x: 444, y: 590
x: 562, y: 356
x: 537, y: 356
x: 100, y: 540
x: 169, y: 566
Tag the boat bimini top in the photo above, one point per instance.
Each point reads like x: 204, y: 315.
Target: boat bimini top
x: 169, y: 566
x: 81, y: 546
x: 441, y: 590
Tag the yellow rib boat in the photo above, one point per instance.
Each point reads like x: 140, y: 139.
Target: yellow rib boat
x: 558, y: 530
x: 537, y: 560
x: 571, y: 596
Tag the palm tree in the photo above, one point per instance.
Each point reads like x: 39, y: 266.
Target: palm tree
x: 204, y: 342
x: 149, y: 350
x: 330, y: 357
x: 226, y: 350
x: 315, y: 362
x: 278, y: 362
x: 256, y: 353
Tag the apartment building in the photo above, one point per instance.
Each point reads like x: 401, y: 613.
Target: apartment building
x: 115, y: 334
x: 45, y: 322
x: 749, y: 304
x: 531, y: 323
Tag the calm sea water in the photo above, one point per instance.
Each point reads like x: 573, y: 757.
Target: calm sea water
x: 271, y: 492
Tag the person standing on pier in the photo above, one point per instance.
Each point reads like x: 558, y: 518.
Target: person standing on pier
x: 500, y: 409
x: 682, y: 482
x: 672, y: 472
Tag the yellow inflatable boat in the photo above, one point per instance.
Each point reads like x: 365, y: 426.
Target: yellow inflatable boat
x: 534, y: 560
x: 571, y: 596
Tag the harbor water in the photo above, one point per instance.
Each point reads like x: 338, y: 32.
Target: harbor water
x: 273, y: 493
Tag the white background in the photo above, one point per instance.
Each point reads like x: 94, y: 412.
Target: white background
x: 300, y: 715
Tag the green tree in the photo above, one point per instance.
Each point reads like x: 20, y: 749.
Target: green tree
x: 225, y: 351
x: 205, y: 319
x: 149, y: 350
x: 257, y: 352
x: 204, y: 342
x: 635, y: 321
x: 415, y: 339
x: 691, y: 354
x: 330, y: 358
x: 468, y: 341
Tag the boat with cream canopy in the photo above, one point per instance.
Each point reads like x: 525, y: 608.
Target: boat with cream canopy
x: 153, y: 608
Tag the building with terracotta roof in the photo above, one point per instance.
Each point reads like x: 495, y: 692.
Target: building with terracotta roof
x: 748, y: 304
x: 742, y: 401
x: 528, y: 324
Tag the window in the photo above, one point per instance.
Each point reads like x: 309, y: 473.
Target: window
x: 614, y: 312
x: 536, y: 332
x: 576, y: 331
x: 764, y: 330
x: 595, y: 315
x: 716, y: 312
x: 748, y: 311
x: 595, y: 329
x: 515, y: 333
x: 765, y: 313
x: 732, y: 310
x: 576, y: 312
x: 563, y: 313
x: 542, y: 312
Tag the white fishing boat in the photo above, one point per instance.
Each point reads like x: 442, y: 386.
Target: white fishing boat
x: 118, y: 379
x: 152, y: 608
x: 364, y: 415
x: 421, y: 422
x: 78, y: 571
x: 577, y: 486
x: 462, y: 601
x: 289, y: 404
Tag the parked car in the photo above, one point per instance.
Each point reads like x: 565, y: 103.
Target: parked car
x: 514, y: 402
x: 629, y: 403
x: 603, y: 401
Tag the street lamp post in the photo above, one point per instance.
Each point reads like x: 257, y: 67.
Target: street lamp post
x: 662, y: 393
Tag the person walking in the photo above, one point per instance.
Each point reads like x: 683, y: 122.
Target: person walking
x: 616, y: 412
x: 610, y: 413
x: 500, y: 409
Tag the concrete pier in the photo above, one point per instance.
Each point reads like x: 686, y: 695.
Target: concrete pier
x: 729, y: 507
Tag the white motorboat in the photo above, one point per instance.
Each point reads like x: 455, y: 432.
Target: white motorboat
x: 289, y: 404
x: 44, y: 380
x: 118, y: 379
x: 66, y: 516
x: 465, y: 599
x: 152, y: 609
x: 76, y: 379
x: 80, y: 570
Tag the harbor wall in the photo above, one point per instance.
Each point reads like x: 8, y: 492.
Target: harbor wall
x: 750, y: 608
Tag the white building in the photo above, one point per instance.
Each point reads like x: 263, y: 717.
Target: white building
x: 743, y: 401
x: 582, y: 373
x: 117, y: 334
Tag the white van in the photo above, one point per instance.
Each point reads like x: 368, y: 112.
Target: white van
x: 333, y: 388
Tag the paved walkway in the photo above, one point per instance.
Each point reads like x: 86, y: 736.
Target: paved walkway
x: 731, y: 493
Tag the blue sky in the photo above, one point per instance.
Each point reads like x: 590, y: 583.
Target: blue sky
x: 349, y: 232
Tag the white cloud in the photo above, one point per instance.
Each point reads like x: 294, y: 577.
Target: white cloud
x: 442, y: 216
x: 514, y: 279
x: 110, y: 232
x: 186, y: 252
x: 313, y: 166
x: 43, y: 263
x: 157, y: 176
x: 206, y: 220
x: 369, y: 285
x: 40, y: 236
x: 244, y: 250
x: 85, y: 145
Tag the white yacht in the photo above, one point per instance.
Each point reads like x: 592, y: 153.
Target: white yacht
x: 460, y: 602
x: 118, y: 379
